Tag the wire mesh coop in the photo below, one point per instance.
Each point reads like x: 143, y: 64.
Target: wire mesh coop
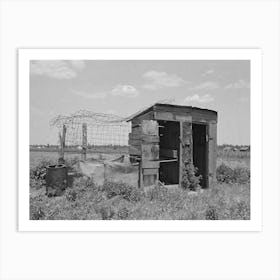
x: 85, y: 130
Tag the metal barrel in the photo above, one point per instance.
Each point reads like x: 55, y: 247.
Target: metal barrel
x: 56, y: 179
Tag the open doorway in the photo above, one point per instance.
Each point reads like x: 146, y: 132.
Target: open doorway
x: 199, y: 132
x: 169, y: 147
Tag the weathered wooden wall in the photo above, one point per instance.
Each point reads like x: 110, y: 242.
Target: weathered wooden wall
x: 150, y: 152
x: 144, y: 139
x: 212, y: 152
x: 180, y: 113
x: 144, y: 142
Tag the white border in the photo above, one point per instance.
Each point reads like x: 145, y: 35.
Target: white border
x: 254, y: 55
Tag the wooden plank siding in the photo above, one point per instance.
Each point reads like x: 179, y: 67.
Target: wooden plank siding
x: 149, y: 152
x: 146, y: 138
x: 135, y: 150
x: 203, y: 117
x: 146, y: 116
x: 150, y: 171
x: 172, y: 109
x: 168, y: 116
x: 196, y: 113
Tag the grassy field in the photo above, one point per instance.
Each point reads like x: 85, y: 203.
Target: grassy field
x: 229, y: 199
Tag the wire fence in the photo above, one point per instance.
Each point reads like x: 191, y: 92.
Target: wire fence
x: 99, y: 129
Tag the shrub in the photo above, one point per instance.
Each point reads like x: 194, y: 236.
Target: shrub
x: 36, y: 213
x: 226, y: 174
x: 123, y: 213
x: 38, y: 173
x: 106, y: 212
x: 124, y: 190
x: 240, y: 211
x: 242, y: 175
x: 90, y: 183
x: 135, y: 195
x: 158, y: 192
x: 189, y: 179
x: 113, y: 189
x: 71, y: 195
x: 211, y: 213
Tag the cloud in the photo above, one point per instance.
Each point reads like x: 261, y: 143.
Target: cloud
x: 125, y: 91
x: 206, y: 98
x: 96, y: 95
x: 238, y: 85
x: 157, y: 80
x: 57, y: 69
x: 206, y: 86
x: 119, y: 90
x: 208, y: 72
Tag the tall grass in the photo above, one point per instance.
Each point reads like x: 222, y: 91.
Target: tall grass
x: 118, y: 200
x: 229, y: 199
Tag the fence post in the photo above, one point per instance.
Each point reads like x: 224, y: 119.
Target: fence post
x: 140, y: 174
x: 84, y: 150
x: 62, y: 145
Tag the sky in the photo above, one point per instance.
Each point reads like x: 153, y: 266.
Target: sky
x: 62, y: 87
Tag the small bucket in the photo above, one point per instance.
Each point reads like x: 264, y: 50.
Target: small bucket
x: 56, y: 180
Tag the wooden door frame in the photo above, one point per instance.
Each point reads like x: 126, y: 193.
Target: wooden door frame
x: 206, y: 124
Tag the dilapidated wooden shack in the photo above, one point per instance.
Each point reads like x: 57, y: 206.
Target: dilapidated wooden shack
x: 165, y: 136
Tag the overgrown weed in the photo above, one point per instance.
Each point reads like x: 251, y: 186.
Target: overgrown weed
x: 229, y: 199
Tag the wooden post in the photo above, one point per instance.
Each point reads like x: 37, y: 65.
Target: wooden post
x: 186, y: 147
x: 62, y: 145
x: 212, y: 153
x: 140, y: 174
x: 181, y: 155
x: 84, y: 150
x: 149, y: 153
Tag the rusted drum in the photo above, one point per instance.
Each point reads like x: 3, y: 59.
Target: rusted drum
x: 56, y: 179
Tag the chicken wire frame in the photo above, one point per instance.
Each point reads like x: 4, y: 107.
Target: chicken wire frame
x: 85, y: 129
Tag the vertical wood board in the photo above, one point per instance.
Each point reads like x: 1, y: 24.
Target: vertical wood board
x: 212, y: 153
x: 149, y: 152
x: 149, y: 127
x: 186, y: 146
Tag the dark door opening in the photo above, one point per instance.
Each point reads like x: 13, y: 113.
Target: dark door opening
x: 169, y: 147
x: 199, y: 133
